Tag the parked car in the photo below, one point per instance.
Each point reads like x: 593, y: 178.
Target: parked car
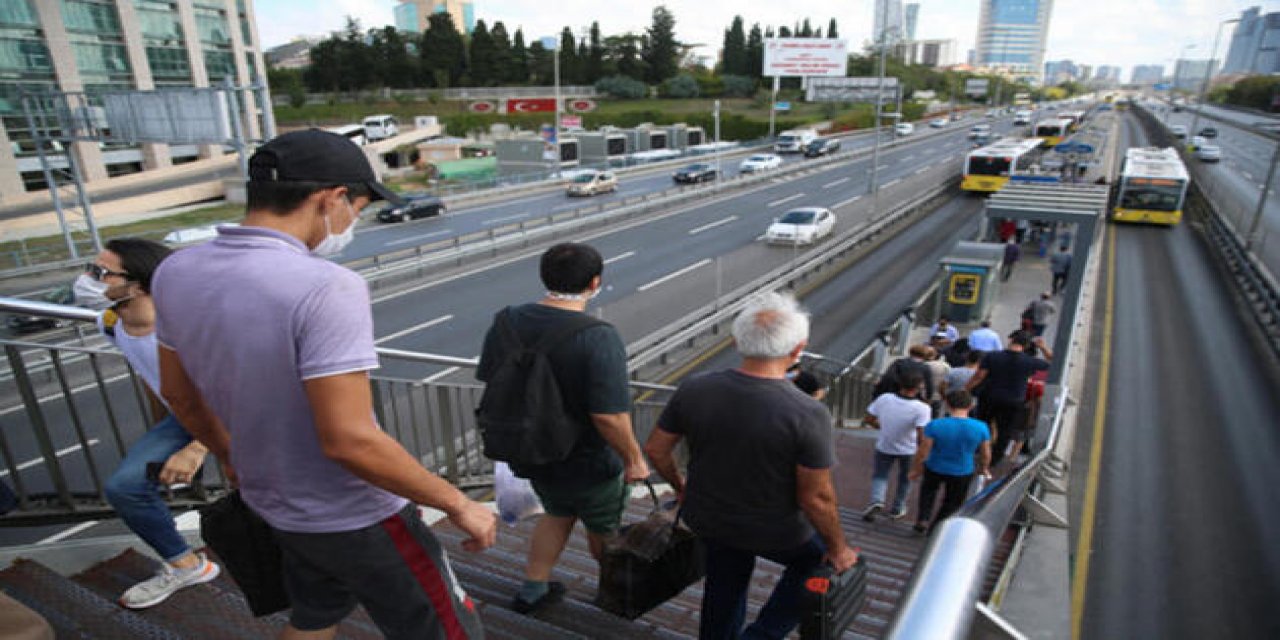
x: 1209, y: 132
x: 696, y: 172
x: 414, y: 207
x: 821, y: 147
x: 23, y: 324
x: 760, y: 162
x: 904, y: 128
x: 590, y: 183
x: 938, y: 123
x: 806, y: 225
x: 1208, y: 153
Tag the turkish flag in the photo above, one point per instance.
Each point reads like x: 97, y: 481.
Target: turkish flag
x: 530, y: 105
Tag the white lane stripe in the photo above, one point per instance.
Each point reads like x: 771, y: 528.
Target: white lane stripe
x: 418, y: 237
x: 416, y: 327
x: 921, y: 170
x: 620, y: 256
x: 58, y: 537
x: 676, y: 274
x: 437, y: 375
x: 834, y: 183
x: 59, y: 453
x: 506, y: 219
x: 785, y: 200
x: 712, y: 225
x: 74, y: 391
x: 845, y: 202
x: 890, y: 183
x: 1246, y: 175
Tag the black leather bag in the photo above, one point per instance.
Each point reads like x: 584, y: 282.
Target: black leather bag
x: 648, y: 563
x: 247, y: 547
x: 829, y: 602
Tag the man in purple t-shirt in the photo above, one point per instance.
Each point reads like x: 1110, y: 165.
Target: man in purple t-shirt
x: 265, y: 349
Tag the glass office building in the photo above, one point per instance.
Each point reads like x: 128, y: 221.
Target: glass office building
x: 99, y: 45
x: 1012, y: 36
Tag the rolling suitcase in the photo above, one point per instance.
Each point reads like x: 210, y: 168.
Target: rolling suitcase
x: 829, y: 602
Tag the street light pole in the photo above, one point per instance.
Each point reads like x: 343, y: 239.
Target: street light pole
x: 875, y: 154
x: 556, y: 66
x: 1208, y: 71
x: 719, y: 175
x: 1252, y: 238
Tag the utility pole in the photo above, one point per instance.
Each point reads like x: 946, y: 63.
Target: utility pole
x: 873, y: 187
x: 1252, y: 238
x: 556, y: 67
x: 1208, y: 71
x: 719, y: 175
x: 773, y: 103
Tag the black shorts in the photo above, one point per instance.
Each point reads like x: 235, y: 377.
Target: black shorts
x: 395, y: 568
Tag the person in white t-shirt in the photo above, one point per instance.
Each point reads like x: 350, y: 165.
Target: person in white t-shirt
x: 901, y: 418
x: 119, y: 281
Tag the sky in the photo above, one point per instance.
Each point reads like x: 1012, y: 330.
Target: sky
x: 1094, y: 32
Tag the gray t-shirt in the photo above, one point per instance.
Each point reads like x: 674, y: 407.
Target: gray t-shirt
x: 253, y: 315
x: 746, y: 437
x: 1060, y: 262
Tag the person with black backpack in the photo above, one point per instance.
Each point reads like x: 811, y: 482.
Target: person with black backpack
x: 556, y: 408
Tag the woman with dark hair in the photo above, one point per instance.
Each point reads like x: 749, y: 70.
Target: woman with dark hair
x: 119, y: 282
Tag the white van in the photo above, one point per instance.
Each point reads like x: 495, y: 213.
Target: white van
x: 904, y: 128
x: 795, y: 140
x: 352, y: 132
x: 380, y: 127
x: 1022, y: 117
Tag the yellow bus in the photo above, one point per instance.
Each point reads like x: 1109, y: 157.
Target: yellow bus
x: 1076, y: 118
x: 988, y: 169
x: 1153, y: 187
x: 1051, y: 132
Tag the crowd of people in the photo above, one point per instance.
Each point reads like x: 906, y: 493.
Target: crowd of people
x: 283, y: 403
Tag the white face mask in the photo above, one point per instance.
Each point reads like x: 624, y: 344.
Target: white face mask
x: 91, y: 293
x: 334, y: 243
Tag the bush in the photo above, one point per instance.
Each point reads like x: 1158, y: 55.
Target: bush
x: 681, y: 86
x: 738, y: 86
x: 622, y: 87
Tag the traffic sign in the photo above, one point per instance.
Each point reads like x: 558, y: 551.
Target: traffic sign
x: 1162, y: 86
x: 782, y: 106
x: 1074, y: 147
x: 570, y: 121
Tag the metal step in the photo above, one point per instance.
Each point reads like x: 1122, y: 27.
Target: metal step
x: 75, y: 611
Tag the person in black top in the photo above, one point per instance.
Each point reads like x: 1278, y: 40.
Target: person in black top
x: 1005, y: 393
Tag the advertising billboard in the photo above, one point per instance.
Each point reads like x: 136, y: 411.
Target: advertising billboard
x: 805, y: 57
x: 851, y: 89
x: 975, y: 87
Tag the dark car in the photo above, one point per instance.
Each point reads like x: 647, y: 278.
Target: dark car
x: 821, y: 147
x: 1209, y: 132
x: 696, y: 172
x: 23, y: 324
x: 414, y: 207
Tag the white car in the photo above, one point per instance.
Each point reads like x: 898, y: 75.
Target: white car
x: 904, y: 129
x: 979, y: 130
x: 760, y: 162
x: 1197, y: 142
x: 806, y: 225
x: 938, y: 123
x: 1208, y: 153
x: 1178, y: 131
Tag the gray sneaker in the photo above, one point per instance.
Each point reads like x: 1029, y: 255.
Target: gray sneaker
x: 870, y: 512
x: 169, y: 580
x: 900, y: 512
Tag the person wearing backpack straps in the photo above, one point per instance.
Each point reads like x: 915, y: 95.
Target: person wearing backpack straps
x: 569, y: 432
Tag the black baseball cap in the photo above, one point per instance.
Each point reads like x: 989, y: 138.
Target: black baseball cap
x: 313, y: 155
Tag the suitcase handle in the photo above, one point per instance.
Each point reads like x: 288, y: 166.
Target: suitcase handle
x: 657, y: 506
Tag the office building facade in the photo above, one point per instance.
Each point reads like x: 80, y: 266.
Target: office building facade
x: 910, y: 18
x: 1059, y: 71
x: 1147, y: 74
x: 99, y: 45
x: 414, y: 15
x: 1255, y: 44
x: 1012, y: 36
x: 888, y: 28
x: 1188, y: 75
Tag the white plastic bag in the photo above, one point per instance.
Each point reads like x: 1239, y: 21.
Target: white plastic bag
x: 515, y: 496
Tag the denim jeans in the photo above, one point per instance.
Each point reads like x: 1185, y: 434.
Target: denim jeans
x: 724, y: 599
x: 880, y: 479
x: 137, y: 500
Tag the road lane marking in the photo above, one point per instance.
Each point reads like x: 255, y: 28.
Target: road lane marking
x: 60, y: 536
x: 416, y: 327
x: 890, y: 183
x: 712, y: 225
x: 1084, y: 543
x: 785, y: 200
x: 845, y: 202
x: 620, y: 256
x: 675, y: 274
x: 418, y: 237
x: 74, y: 391
x: 59, y: 453
x: 836, y: 182
x: 505, y: 219
x: 921, y: 170
x: 437, y: 375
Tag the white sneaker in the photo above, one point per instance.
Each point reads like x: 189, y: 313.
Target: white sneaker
x: 169, y: 580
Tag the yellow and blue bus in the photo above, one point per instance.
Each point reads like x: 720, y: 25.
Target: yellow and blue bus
x: 1153, y: 187
x: 988, y: 169
x: 1051, y: 132
x: 1076, y: 118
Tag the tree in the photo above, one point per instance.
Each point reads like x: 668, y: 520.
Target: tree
x: 806, y: 31
x: 502, y: 58
x: 484, y: 68
x: 541, y: 64
x: 784, y: 32
x: 661, y: 51
x: 623, y: 53
x: 755, y: 52
x: 622, y: 87
x: 288, y: 82
x: 681, y: 86
x: 570, y: 72
x: 390, y: 59
x: 831, y: 29
x: 325, y: 73
x: 444, y: 54
x: 354, y: 57
x: 593, y: 66
x: 518, y: 70
x: 734, y: 55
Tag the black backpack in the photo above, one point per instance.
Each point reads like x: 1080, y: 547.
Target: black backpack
x: 521, y: 416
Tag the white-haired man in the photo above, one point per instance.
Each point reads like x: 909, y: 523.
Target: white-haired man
x: 759, y: 474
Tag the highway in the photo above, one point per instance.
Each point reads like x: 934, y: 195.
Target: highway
x: 1187, y: 516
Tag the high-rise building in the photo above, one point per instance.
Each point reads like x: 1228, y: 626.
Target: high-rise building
x: 1147, y: 74
x: 1107, y: 75
x: 1255, y: 44
x: 911, y: 19
x: 888, y: 27
x: 931, y: 53
x: 1059, y: 71
x: 1189, y: 74
x: 413, y: 15
x: 1012, y: 35
x: 1084, y: 72
x: 98, y: 45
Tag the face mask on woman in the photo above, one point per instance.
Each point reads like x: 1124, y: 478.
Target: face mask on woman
x: 91, y: 293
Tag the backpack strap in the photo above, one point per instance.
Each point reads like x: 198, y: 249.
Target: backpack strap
x: 564, y: 331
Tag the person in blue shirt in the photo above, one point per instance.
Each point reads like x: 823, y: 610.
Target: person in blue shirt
x: 945, y: 459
